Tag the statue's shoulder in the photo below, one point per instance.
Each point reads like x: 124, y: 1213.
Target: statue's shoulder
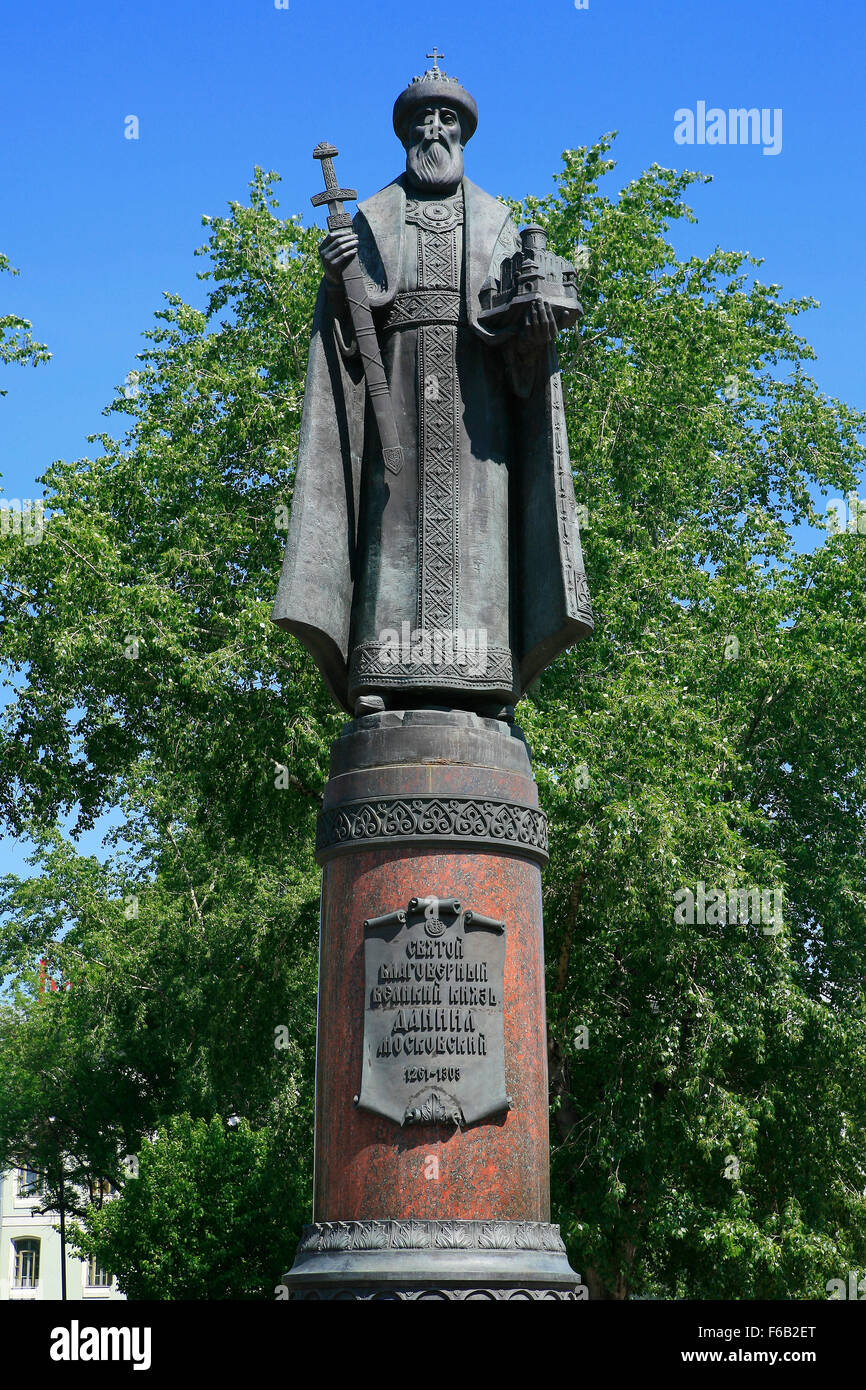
x: 485, y: 202
x: 387, y: 200
x: 490, y: 219
x: 379, y: 225
x: 391, y: 198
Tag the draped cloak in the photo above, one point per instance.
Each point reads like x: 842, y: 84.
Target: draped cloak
x: 479, y: 530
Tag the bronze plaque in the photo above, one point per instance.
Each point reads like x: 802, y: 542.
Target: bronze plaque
x: 434, y: 1015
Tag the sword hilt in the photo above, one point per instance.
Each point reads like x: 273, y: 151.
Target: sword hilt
x: 332, y: 193
x: 359, y: 309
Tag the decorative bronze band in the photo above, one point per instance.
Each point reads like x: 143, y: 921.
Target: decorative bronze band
x: 439, y: 458
x: 371, y: 823
x: 576, y: 586
x: 456, y: 664
x: 431, y: 1235
x: 415, y: 307
x: 435, y: 217
x: 417, y: 1258
x: 497, y: 1294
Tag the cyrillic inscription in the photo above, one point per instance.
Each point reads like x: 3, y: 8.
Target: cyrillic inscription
x: 434, y: 1014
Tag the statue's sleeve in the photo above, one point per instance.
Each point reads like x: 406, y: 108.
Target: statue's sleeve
x: 552, y: 607
x: 314, y: 596
x: 373, y: 273
x: 553, y: 604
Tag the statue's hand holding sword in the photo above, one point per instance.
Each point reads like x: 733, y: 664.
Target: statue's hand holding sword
x: 339, y: 253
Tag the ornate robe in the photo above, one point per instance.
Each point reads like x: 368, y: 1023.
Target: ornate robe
x: 458, y: 579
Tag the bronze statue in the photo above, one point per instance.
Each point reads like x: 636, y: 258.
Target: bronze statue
x: 433, y: 556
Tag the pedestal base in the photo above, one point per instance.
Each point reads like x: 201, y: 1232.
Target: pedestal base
x: 431, y: 1156
x: 451, y: 1260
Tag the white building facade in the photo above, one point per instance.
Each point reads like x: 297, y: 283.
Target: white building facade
x: 30, y: 1248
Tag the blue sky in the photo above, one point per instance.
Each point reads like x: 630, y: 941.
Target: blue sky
x: 100, y: 225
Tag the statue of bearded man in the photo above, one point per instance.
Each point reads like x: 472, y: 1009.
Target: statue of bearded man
x: 456, y: 580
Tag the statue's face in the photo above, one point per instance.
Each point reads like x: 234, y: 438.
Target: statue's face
x: 434, y: 155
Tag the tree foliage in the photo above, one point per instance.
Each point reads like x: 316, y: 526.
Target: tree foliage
x: 206, y: 1215
x: 706, y: 1078
x: 17, y: 343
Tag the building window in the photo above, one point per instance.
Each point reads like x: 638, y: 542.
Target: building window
x: 98, y: 1276
x: 29, y: 1182
x: 100, y: 1189
x: 26, y: 1272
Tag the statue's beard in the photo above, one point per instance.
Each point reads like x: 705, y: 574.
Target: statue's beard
x: 434, y: 165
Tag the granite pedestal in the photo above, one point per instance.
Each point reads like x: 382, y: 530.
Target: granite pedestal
x: 431, y: 1147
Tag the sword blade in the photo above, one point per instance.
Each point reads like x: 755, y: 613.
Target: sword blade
x: 362, y: 318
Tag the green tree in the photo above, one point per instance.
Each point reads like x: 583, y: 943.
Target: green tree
x: 17, y: 343
x: 208, y: 1214
x: 192, y: 991
x: 706, y: 1078
x: 708, y: 1139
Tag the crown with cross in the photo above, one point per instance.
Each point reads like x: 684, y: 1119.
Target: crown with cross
x: 435, y: 87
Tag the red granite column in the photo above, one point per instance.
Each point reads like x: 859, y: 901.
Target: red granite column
x: 431, y: 807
